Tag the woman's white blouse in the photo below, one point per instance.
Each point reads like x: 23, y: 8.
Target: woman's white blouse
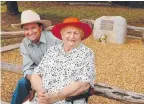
x: 59, y: 68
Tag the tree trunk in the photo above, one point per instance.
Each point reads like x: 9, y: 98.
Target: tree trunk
x: 12, y: 7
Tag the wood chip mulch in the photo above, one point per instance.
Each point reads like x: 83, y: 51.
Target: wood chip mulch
x: 119, y: 65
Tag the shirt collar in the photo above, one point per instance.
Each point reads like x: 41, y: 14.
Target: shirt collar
x: 28, y: 41
x: 42, y: 39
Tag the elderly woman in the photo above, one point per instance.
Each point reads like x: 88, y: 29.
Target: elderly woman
x: 67, y: 69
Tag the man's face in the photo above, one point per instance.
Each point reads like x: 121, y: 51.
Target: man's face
x: 32, y: 31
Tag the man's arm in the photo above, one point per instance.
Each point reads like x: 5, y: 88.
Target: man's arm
x: 28, y: 63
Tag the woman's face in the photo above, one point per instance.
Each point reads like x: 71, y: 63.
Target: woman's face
x: 71, y: 36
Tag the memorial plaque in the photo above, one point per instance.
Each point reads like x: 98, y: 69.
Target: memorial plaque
x: 107, y: 25
x: 110, y: 29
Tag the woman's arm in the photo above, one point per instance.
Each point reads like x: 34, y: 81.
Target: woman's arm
x: 36, y: 83
x: 74, y: 88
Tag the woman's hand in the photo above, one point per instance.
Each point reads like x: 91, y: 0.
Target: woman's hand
x: 42, y: 99
x: 46, y: 98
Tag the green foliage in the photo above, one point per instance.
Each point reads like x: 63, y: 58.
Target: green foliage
x: 60, y: 11
x: 3, y: 8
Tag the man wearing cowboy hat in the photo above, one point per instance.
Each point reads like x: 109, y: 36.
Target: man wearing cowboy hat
x: 33, y: 48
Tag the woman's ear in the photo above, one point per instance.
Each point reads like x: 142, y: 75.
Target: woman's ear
x: 61, y: 32
x: 62, y: 36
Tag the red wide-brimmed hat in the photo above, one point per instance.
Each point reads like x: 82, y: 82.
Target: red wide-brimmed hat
x: 72, y: 22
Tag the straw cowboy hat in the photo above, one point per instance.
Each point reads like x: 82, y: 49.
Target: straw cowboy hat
x: 74, y: 22
x: 29, y: 16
